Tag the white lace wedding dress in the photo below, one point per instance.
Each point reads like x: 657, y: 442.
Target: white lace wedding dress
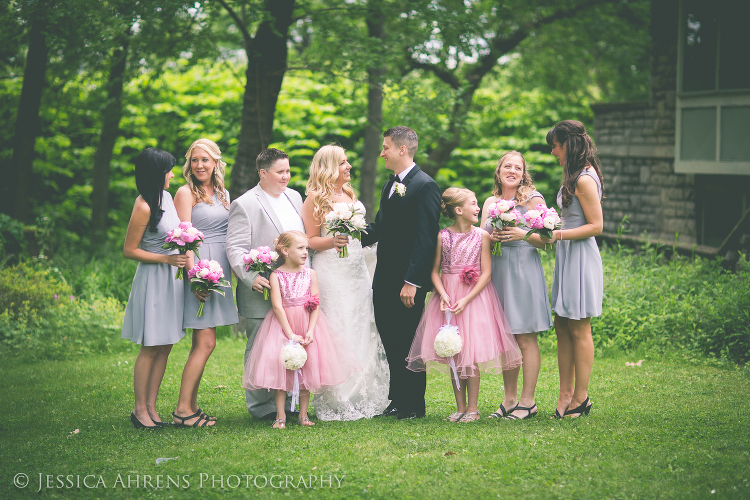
x: 346, y: 300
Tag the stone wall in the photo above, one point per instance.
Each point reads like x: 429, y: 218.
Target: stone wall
x: 636, y: 147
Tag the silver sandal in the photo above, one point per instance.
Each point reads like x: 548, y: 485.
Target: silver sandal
x: 454, y: 417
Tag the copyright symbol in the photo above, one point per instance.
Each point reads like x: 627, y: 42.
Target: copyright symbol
x: 21, y: 480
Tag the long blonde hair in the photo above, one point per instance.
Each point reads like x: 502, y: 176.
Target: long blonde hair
x: 525, y: 188
x: 324, y: 170
x: 217, y: 178
x: 286, y: 240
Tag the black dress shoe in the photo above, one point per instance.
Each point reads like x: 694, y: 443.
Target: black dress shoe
x: 410, y: 415
x: 388, y: 412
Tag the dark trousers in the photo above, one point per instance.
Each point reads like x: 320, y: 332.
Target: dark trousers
x: 397, y: 324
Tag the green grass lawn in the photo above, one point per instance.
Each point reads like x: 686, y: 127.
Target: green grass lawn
x: 669, y: 429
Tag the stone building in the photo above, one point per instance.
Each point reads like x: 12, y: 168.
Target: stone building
x: 680, y: 162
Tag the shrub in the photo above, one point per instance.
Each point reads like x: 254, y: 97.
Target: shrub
x: 33, y: 283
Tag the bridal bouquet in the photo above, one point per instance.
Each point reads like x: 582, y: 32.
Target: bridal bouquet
x: 184, y: 238
x: 261, y: 260
x: 502, y: 214
x: 294, y: 356
x: 448, y: 343
x: 542, y: 220
x: 207, y: 276
x: 346, y: 219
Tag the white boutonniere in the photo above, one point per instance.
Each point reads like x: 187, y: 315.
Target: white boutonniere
x: 399, y: 188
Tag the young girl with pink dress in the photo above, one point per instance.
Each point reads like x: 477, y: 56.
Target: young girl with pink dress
x: 464, y: 297
x: 295, y: 317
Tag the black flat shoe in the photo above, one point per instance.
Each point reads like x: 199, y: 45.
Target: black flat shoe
x: 388, y: 412
x: 582, y: 410
x: 138, y: 425
x: 409, y: 415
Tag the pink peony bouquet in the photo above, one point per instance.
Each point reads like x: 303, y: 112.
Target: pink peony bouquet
x: 346, y: 219
x: 542, y: 220
x: 207, y: 276
x: 183, y: 238
x: 261, y: 260
x: 503, y: 214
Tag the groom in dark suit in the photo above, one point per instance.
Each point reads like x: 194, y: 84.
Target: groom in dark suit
x: 406, y: 229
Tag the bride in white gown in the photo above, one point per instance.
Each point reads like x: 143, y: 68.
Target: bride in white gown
x: 345, y: 292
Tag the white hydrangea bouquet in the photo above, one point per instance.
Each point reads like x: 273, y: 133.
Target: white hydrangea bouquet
x: 448, y: 343
x: 346, y: 219
x: 294, y: 357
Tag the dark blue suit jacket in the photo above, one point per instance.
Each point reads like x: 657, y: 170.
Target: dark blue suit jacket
x: 406, y: 229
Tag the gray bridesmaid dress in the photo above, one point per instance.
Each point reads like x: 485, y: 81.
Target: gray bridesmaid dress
x: 154, y: 312
x: 578, y: 280
x: 518, y: 277
x: 212, y: 221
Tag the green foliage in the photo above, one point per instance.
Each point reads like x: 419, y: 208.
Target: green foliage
x: 69, y: 328
x: 42, y: 319
x: 674, y: 304
x: 32, y: 286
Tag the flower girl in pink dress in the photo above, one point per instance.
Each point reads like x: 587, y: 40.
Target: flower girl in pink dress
x: 464, y: 297
x: 296, y: 318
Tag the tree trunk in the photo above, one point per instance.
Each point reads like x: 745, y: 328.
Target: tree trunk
x: 266, y: 66
x: 373, y: 130
x: 16, y: 203
x: 107, y: 137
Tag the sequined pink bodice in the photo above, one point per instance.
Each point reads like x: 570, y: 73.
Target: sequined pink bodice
x: 461, y: 250
x: 293, y: 285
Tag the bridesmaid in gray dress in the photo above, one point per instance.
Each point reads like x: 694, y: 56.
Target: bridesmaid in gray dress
x: 153, y: 317
x: 204, y: 202
x: 578, y: 281
x: 518, y: 277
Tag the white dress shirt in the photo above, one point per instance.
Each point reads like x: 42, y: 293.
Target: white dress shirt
x: 401, y: 178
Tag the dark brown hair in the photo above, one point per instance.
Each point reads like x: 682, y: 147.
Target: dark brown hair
x: 581, y: 153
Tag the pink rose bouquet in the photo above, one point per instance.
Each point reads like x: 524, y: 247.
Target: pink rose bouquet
x: 184, y: 238
x: 346, y: 219
x: 261, y: 260
x: 502, y: 214
x: 207, y: 276
x: 542, y: 220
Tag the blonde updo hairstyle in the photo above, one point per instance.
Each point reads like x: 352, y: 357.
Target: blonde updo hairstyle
x: 454, y: 198
x: 285, y: 241
x: 525, y: 188
x: 324, y: 170
x: 217, y: 178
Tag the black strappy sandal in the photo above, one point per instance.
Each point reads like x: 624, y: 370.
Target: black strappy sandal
x: 582, y: 410
x: 557, y: 415
x: 503, y: 412
x: 205, y: 415
x: 523, y: 408
x: 197, y: 423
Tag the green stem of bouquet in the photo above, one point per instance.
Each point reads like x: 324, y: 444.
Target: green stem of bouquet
x: 180, y: 273
x: 201, y: 307
x: 266, y: 293
x: 344, y: 253
x: 497, y: 248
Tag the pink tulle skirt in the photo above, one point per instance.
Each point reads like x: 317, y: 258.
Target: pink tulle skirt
x: 330, y: 358
x: 488, y: 344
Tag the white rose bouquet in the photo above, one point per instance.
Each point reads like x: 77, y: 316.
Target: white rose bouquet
x: 448, y: 343
x: 294, y: 357
x: 346, y: 219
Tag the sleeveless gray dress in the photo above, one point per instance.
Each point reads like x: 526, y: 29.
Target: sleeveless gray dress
x: 154, y: 312
x: 518, y: 277
x: 212, y: 221
x: 578, y: 280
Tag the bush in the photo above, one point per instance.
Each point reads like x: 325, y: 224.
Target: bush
x: 34, y: 284
x: 650, y: 302
x: 71, y: 327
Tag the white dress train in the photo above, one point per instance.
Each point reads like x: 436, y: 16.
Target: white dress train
x: 346, y: 300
